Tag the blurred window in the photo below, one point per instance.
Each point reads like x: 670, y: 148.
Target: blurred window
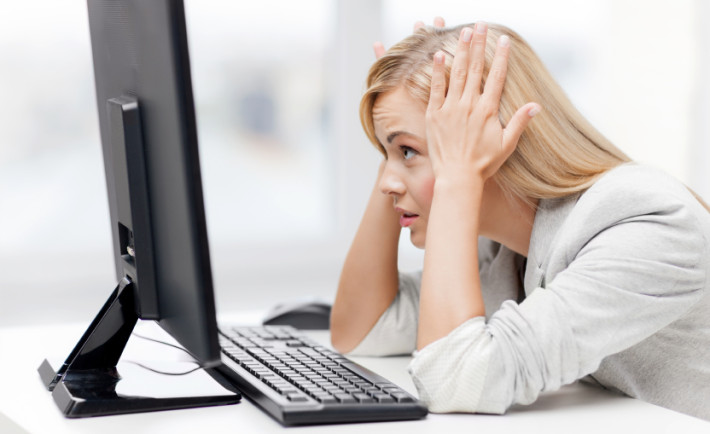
x: 263, y: 109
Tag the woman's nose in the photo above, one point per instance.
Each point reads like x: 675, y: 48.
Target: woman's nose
x: 390, y: 182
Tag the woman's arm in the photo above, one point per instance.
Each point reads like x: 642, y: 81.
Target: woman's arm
x: 369, y: 279
x: 467, y: 144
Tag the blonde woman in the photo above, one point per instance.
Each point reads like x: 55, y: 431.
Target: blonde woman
x: 550, y: 257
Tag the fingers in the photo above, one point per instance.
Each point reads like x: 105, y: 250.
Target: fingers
x: 459, y: 68
x: 477, y: 64
x: 438, y: 22
x: 438, y: 83
x: 468, y: 66
x: 517, y: 124
x: 379, y: 49
x: 496, y: 76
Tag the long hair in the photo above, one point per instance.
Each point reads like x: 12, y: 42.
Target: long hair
x: 559, y: 153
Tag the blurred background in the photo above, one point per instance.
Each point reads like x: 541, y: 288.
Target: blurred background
x: 286, y: 168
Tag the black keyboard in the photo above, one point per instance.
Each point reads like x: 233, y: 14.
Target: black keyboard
x: 300, y: 382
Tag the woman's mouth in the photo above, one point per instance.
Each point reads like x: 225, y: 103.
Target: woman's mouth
x: 406, y: 218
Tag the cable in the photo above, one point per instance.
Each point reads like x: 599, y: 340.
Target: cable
x: 199, y: 365
x: 161, y: 342
x: 163, y: 372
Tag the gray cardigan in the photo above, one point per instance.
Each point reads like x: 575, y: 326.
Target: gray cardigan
x: 616, y: 291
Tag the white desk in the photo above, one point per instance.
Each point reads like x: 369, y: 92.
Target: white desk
x: 25, y: 406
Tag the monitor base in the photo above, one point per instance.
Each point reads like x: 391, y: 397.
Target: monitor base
x: 89, y: 394
x: 85, y: 385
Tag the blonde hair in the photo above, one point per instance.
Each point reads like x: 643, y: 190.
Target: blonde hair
x: 560, y: 152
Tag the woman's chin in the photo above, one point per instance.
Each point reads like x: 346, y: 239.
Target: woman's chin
x: 417, y: 240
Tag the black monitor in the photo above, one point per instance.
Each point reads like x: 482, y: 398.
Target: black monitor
x: 149, y: 141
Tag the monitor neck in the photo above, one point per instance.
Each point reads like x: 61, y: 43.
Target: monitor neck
x: 134, y: 253
x: 101, y: 346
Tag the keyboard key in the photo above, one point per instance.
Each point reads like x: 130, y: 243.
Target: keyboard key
x: 297, y: 397
x: 384, y: 398
x: 363, y: 397
x: 327, y: 400
x: 332, y: 388
x: 288, y: 388
x: 402, y: 397
x: 346, y: 398
x: 391, y: 390
x: 295, y: 344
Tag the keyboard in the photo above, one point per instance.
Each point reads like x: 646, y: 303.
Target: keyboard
x: 300, y: 382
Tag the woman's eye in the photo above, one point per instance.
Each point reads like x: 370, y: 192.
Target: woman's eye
x: 408, y: 152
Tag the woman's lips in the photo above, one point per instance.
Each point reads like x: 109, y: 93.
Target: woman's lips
x: 406, y: 221
x: 406, y: 218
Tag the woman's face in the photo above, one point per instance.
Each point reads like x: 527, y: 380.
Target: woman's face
x: 407, y: 176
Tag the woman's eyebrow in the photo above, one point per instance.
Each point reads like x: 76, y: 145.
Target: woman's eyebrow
x: 393, y: 135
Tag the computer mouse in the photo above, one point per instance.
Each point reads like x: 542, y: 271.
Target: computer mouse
x: 309, y: 315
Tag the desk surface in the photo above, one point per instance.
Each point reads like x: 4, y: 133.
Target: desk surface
x: 25, y: 406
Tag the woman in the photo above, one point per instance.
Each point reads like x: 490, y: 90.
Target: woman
x: 589, y: 266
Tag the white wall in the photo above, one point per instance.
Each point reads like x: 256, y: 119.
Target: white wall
x: 636, y: 69
x: 699, y: 170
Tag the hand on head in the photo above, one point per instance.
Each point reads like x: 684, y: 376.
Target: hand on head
x: 464, y: 132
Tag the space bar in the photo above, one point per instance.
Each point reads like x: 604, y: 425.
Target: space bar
x: 365, y: 373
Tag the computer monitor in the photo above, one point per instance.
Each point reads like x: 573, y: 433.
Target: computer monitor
x: 149, y: 141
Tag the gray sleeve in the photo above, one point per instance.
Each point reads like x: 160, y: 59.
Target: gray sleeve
x: 630, y: 280
x: 395, y: 333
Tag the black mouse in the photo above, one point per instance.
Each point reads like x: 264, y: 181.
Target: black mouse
x: 310, y: 315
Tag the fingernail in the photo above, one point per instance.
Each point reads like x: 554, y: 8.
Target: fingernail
x: 439, y: 58
x: 504, y: 41
x: 466, y: 34
x: 533, y: 111
x: 481, y: 27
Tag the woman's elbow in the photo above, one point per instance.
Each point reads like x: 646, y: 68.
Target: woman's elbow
x: 341, y: 337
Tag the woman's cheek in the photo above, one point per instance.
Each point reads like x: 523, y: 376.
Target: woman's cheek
x: 427, y: 193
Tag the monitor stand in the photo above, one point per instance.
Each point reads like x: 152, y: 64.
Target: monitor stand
x: 85, y: 385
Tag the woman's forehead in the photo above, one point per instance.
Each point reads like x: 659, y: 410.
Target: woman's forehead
x: 397, y: 107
